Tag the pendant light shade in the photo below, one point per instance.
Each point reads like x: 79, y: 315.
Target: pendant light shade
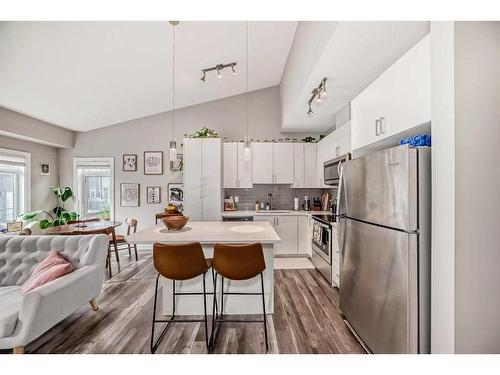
x: 173, y: 151
x: 247, y: 153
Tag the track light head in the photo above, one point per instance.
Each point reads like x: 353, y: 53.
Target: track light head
x: 204, y: 77
x: 234, y: 70
x: 310, y: 111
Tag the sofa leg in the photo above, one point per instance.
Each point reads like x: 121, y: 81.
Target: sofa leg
x: 93, y: 303
x: 19, y: 350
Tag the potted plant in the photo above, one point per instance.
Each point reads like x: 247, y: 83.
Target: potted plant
x: 205, y: 133
x: 58, y: 215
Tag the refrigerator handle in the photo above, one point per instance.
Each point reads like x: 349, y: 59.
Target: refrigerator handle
x: 341, y: 199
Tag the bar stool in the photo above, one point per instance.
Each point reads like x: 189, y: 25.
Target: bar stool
x: 237, y: 262
x: 177, y: 263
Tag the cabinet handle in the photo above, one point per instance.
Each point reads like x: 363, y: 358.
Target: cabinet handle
x: 382, y: 125
x: 277, y: 221
x: 377, y: 123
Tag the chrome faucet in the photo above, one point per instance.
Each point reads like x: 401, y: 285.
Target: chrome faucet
x: 269, y: 202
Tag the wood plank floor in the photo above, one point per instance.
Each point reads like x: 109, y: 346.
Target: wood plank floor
x: 306, y: 320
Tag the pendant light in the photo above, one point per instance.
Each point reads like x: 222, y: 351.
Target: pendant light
x: 173, y: 142
x: 246, y: 146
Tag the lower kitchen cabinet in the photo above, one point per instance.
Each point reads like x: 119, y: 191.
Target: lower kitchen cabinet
x: 286, y: 227
x: 303, y: 235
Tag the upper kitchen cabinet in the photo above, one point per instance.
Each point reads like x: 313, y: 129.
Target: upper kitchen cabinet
x: 304, y: 157
x: 202, y: 178
x: 396, y: 101
x: 282, y: 162
x: 237, y: 172
x: 272, y: 163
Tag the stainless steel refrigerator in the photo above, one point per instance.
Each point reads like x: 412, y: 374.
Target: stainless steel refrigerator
x: 384, y: 217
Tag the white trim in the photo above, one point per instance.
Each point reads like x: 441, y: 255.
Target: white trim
x: 96, y: 160
x: 27, y: 177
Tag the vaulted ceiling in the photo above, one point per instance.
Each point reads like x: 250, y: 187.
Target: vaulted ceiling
x: 86, y: 75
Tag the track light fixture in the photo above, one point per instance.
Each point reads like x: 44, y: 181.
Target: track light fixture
x: 219, y: 68
x: 318, y: 95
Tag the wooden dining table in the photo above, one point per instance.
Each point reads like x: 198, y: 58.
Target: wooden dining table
x: 88, y: 227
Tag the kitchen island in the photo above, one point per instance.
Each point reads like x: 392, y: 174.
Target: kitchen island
x: 208, y: 233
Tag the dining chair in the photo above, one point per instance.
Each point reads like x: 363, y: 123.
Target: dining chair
x: 108, y: 257
x: 122, y: 243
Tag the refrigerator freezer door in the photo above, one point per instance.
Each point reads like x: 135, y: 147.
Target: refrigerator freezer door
x: 381, y: 188
x: 378, y: 278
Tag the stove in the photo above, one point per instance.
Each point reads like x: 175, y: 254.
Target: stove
x: 326, y: 219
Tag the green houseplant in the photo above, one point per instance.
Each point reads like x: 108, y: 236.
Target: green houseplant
x: 58, y: 215
x: 205, y: 133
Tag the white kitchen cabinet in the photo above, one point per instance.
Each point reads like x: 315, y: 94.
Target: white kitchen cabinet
x: 305, y: 168
x: 262, y: 163
x: 230, y: 164
x: 192, y: 203
x: 192, y: 163
x: 202, y: 178
x: 299, y: 165
x: 236, y: 171
x: 310, y: 165
x: 286, y: 228
x: 210, y: 204
x: 396, y: 101
x: 303, y: 235
x: 283, y: 163
x: 272, y: 163
x: 244, y: 168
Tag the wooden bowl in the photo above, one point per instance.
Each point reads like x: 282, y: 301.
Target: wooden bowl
x: 175, y: 222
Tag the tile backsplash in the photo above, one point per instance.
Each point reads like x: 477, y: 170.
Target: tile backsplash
x: 283, y: 195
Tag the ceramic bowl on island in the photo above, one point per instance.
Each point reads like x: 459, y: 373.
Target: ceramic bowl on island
x: 175, y: 222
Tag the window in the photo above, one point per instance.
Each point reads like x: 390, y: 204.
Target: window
x: 94, y: 187
x: 14, y: 184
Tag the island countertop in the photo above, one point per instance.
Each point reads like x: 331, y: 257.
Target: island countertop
x: 208, y: 232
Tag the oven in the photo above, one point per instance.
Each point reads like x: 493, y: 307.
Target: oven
x: 331, y: 169
x: 321, y: 255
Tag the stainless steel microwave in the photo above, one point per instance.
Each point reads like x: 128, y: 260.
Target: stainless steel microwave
x: 331, y: 169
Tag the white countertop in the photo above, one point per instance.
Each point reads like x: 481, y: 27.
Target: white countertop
x: 273, y: 213
x: 208, y: 232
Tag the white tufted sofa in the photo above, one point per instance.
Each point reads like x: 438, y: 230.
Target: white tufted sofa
x: 25, y: 317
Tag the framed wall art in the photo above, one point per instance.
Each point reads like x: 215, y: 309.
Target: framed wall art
x: 153, y: 162
x: 129, y: 195
x: 153, y: 194
x: 129, y: 162
x: 44, y: 168
x: 176, y: 195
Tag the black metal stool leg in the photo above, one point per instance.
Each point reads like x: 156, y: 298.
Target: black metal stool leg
x: 222, y: 297
x: 154, y: 316
x: 213, y: 283
x: 205, y: 310
x: 264, y: 310
x: 215, y: 313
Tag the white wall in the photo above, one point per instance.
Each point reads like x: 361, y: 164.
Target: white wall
x: 40, y: 196
x: 443, y: 187
x: 226, y: 116
x: 16, y: 125
x: 477, y: 192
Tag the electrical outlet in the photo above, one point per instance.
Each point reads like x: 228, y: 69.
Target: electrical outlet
x: 236, y: 199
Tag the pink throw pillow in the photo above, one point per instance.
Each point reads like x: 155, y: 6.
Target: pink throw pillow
x: 51, y: 268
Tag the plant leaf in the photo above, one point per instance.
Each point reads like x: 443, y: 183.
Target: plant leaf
x: 58, y: 211
x: 31, y: 215
x: 73, y: 215
x: 44, y: 224
x: 67, y: 193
